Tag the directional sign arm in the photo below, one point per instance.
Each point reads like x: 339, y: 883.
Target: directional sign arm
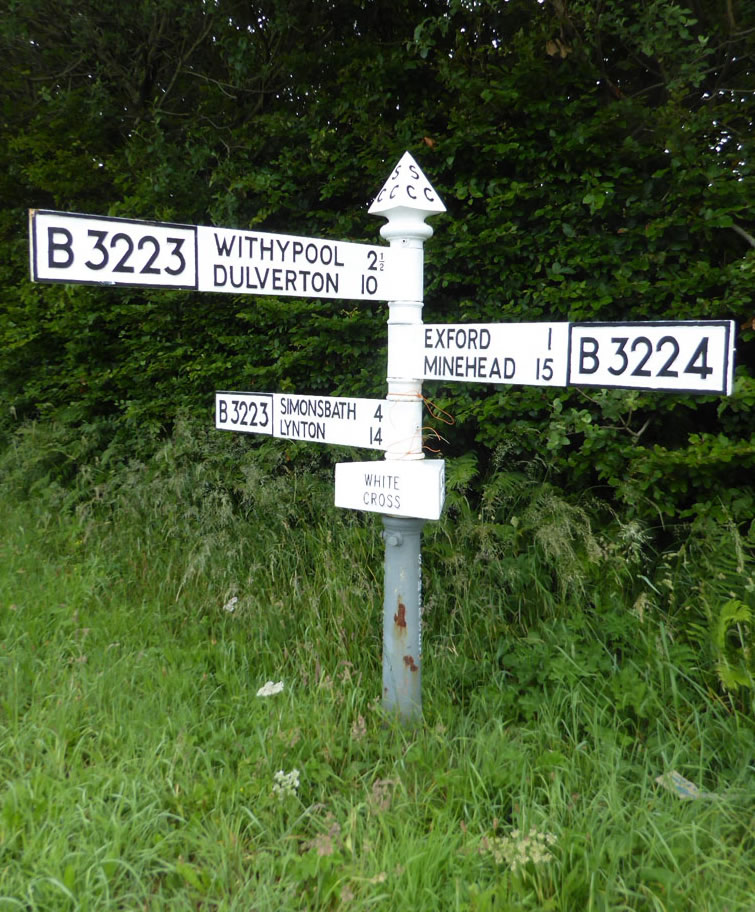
x: 98, y: 250
x: 691, y: 356
x: 370, y: 423
x: 258, y: 263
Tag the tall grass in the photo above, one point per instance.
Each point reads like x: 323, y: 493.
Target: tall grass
x: 145, y: 603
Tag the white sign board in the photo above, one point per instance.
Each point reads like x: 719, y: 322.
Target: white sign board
x: 523, y: 353
x: 685, y: 357
x: 83, y: 249
x: 372, y: 423
x: 253, y: 262
x: 394, y: 487
x: 87, y: 249
x: 679, y: 356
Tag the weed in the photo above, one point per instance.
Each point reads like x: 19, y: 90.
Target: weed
x: 153, y: 758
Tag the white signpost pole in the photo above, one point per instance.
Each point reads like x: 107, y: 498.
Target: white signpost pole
x: 406, y: 200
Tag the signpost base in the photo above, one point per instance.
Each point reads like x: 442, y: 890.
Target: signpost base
x: 402, y: 618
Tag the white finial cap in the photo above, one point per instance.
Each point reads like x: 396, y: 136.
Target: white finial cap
x: 407, y: 188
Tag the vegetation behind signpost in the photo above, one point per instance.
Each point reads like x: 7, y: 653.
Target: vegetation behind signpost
x: 596, y: 164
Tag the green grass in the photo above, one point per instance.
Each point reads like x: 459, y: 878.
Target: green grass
x: 137, y: 762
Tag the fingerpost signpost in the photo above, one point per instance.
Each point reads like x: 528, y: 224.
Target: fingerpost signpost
x: 406, y: 489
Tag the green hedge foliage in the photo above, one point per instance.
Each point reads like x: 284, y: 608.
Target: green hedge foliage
x: 596, y: 162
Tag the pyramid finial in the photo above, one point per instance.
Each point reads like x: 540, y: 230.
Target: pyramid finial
x: 407, y: 187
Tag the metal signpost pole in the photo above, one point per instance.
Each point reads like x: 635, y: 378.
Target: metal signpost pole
x: 406, y: 200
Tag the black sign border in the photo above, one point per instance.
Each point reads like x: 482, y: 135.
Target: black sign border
x: 33, y: 213
x: 728, y: 371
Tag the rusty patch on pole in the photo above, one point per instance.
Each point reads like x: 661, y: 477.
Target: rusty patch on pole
x: 400, y: 619
x: 409, y: 662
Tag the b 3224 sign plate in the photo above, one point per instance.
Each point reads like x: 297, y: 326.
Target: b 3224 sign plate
x: 685, y: 357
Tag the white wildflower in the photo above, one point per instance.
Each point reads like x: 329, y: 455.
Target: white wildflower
x: 286, y: 783
x: 518, y: 849
x: 230, y: 605
x: 269, y: 688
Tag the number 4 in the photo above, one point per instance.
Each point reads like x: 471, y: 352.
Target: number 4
x: 376, y: 436
x: 701, y: 356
